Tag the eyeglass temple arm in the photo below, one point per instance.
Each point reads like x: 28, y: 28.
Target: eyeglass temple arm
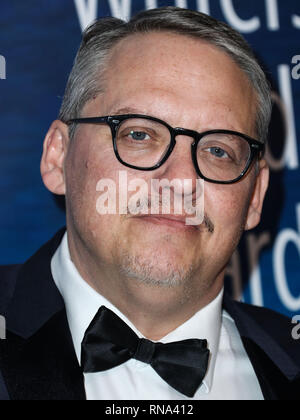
x: 89, y: 120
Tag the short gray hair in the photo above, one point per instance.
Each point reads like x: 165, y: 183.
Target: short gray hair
x: 86, y: 79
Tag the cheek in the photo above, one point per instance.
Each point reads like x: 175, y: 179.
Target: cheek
x: 85, y: 166
x: 227, y: 206
x: 87, y: 163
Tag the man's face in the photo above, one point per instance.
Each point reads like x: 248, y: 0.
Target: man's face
x: 187, y: 83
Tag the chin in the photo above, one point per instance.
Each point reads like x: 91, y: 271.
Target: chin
x: 155, y: 270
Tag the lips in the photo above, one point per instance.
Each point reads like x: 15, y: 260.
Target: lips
x: 178, y: 222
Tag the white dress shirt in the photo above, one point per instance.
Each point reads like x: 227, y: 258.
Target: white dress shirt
x: 230, y: 375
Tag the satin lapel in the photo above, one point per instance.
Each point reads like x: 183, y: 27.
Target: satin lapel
x: 260, y: 364
x: 43, y: 366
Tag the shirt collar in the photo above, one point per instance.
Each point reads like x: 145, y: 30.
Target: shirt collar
x: 82, y: 303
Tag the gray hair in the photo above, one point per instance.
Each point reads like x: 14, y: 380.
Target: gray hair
x: 86, y: 79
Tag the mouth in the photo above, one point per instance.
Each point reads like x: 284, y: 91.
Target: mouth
x: 173, y: 222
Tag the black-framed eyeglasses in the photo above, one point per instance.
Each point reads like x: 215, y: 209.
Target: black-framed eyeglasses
x: 145, y: 143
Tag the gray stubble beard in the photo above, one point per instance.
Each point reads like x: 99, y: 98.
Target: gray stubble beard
x: 145, y: 271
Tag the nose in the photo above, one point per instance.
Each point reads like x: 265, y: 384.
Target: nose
x: 179, y: 167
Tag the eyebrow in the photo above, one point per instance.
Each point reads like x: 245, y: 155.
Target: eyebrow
x: 127, y: 110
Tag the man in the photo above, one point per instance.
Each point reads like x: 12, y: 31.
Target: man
x: 130, y: 305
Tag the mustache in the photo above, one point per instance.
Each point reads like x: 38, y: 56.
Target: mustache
x: 144, y: 206
x: 208, y: 224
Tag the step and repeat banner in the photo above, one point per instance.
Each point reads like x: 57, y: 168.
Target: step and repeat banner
x: 38, y: 42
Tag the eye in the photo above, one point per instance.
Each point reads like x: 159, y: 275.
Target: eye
x: 218, y: 152
x: 138, y: 135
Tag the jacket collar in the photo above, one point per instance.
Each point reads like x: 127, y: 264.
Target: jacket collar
x: 270, y: 331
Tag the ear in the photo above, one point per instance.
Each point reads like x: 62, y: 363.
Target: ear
x: 54, y: 153
x: 259, y: 192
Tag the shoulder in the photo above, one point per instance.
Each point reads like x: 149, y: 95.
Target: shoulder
x: 267, y: 319
x: 22, y: 284
x: 260, y: 322
x: 265, y: 316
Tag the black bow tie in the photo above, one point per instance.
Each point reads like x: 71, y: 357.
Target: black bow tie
x: 109, y: 342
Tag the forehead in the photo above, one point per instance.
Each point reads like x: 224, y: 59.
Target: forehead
x: 169, y: 75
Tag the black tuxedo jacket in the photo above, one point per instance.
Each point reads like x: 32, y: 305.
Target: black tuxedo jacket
x: 38, y: 361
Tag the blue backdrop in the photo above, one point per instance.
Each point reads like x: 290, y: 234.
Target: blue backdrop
x: 38, y: 42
